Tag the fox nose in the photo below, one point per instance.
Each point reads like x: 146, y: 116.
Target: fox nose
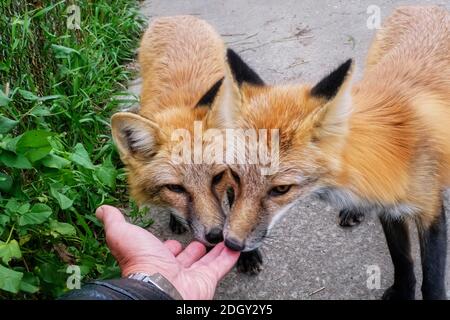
x: 214, y: 236
x: 234, y: 244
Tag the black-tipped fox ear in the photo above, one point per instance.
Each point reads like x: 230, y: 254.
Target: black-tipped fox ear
x: 242, y: 73
x: 135, y: 136
x: 209, y: 96
x: 329, y: 86
x: 228, y: 102
x: 332, y: 115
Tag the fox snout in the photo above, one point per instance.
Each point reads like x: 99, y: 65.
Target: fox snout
x: 206, y: 219
x: 235, y: 244
x: 251, y: 242
x: 214, y: 236
x: 208, y: 235
x: 244, y: 241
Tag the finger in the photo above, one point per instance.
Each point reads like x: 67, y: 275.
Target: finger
x: 109, y: 215
x: 214, y: 253
x: 115, y: 225
x: 174, y: 246
x: 222, y: 264
x: 194, y: 251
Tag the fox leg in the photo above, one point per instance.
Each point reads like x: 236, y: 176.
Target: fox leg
x: 397, y: 238
x: 250, y: 262
x: 433, y: 247
x: 350, y: 218
x: 176, y: 226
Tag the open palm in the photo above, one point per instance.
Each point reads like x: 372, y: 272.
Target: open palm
x: 193, y: 272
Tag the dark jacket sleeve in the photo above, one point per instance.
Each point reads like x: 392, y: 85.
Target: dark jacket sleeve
x: 117, y: 289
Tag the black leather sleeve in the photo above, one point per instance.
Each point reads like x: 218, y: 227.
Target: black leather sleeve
x: 117, y: 289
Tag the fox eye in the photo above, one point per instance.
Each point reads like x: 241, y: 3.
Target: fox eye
x: 216, y: 179
x: 279, y: 190
x: 235, y: 176
x: 175, y: 188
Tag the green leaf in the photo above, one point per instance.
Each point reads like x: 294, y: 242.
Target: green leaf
x: 52, y: 97
x: 10, y: 250
x: 12, y: 205
x: 15, y: 207
x: 45, y: 10
x: 4, y: 219
x: 38, y: 214
x: 107, y: 174
x: 62, y: 51
x: 32, y: 97
x: 27, y: 95
x: 54, y: 161
x: 38, y: 153
x: 6, y: 124
x: 6, y: 182
x: 81, y: 157
x: 4, y: 100
x: 62, y: 228
x: 33, y: 139
x: 4, y: 66
x: 10, y: 279
x: 34, y: 144
x: 12, y: 160
x: 41, y: 111
x: 50, y: 273
x: 29, y: 283
x: 24, y: 208
x: 9, y: 143
x: 64, y: 202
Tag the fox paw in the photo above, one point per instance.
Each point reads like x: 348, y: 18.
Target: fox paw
x: 250, y: 262
x: 176, y: 226
x: 350, y: 218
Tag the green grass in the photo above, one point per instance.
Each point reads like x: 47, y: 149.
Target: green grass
x: 58, y: 89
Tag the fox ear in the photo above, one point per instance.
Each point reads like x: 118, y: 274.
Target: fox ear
x: 335, y: 90
x: 330, y: 85
x: 209, y: 97
x: 135, y: 136
x: 225, y: 107
x: 229, y: 99
x: 241, y: 71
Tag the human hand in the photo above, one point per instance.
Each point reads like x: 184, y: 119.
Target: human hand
x: 192, y: 271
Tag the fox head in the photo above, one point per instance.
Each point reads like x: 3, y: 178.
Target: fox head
x: 195, y: 192
x: 312, y: 124
x: 184, y: 77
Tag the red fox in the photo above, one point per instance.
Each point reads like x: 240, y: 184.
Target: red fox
x: 182, y: 61
x: 382, y: 145
x: 185, y: 73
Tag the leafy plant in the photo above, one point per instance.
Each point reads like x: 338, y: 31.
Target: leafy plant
x: 58, y: 89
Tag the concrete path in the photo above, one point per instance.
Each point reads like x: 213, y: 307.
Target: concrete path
x: 312, y: 257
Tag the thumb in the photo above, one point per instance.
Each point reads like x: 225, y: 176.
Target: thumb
x: 109, y: 215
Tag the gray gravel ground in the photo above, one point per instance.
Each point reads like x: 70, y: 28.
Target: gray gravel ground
x: 311, y: 258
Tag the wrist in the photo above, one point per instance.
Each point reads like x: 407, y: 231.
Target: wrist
x: 139, y: 268
x: 158, y: 281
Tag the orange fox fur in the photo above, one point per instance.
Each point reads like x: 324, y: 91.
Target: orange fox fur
x: 181, y: 57
x: 398, y: 147
x: 384, y: 142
